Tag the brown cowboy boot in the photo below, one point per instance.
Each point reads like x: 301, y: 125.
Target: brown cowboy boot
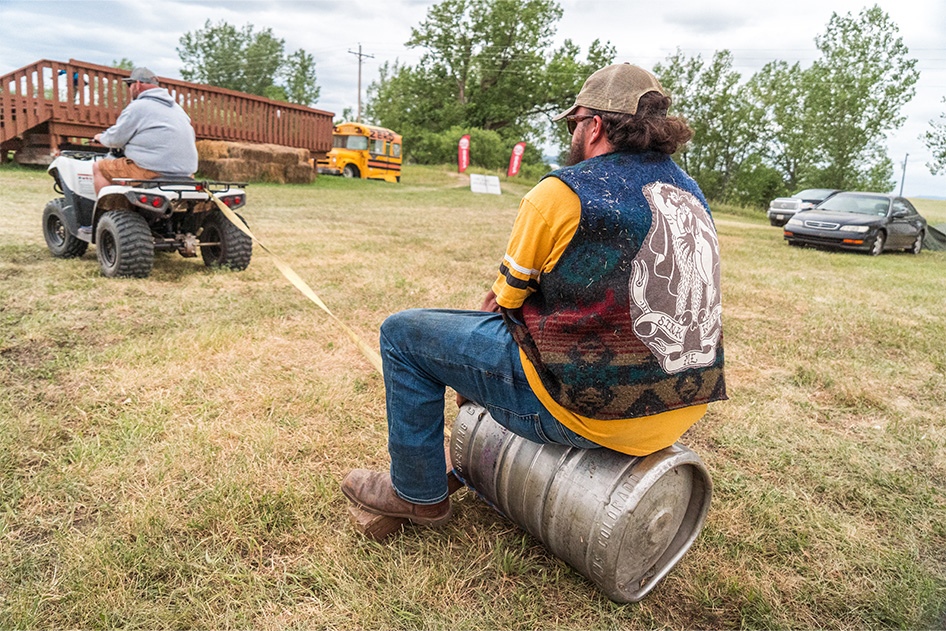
x: 373, y: 492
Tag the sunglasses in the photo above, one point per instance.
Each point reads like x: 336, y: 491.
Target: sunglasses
x: 572, y: 121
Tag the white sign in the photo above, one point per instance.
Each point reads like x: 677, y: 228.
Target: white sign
x: 485, y: 184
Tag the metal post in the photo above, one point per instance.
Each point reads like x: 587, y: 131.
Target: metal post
x: 360, y: 57
x: 903, y: 175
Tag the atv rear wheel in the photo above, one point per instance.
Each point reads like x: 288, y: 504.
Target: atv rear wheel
x: 124, y: 244
x: 227, y: 245
x: 62, y: 243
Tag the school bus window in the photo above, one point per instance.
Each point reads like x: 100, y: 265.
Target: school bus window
x: 377, y: 146
x: 358, y: 143
x: 396, y: 150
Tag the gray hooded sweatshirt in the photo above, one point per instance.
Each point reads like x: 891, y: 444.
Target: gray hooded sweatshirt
x: 156, y: 133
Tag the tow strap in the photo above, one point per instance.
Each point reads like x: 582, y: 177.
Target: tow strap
x: 370, y: 354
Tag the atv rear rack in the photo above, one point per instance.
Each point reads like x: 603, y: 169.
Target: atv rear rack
x: 176, y: 184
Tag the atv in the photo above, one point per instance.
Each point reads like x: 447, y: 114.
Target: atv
x: 131, y: 219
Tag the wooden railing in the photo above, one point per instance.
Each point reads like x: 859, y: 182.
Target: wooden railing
x: 61, y: 101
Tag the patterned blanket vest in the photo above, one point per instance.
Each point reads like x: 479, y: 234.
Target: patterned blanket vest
x: 628, y: 323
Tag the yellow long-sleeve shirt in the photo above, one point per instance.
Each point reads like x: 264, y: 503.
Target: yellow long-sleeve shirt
x: 548, y: 219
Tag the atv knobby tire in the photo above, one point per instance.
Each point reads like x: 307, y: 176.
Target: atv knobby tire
x: 228, y: 246
x: 62, y: 243
x: 124, y: 244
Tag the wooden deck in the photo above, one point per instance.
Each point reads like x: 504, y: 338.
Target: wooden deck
x: 50, y: 105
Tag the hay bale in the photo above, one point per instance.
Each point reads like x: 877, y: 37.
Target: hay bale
x: 209, y: 169
x: 254, y: 162
x: 288, y: 156
x: 300, y: 173
x: 234, y: 170
x: 271, y: 172
x: 212, y: 150
x: 251, y: 153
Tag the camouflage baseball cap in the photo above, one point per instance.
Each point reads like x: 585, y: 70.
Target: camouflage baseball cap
x: 615, y: 88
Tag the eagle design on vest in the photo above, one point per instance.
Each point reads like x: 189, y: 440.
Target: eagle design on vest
x: 675, y: 304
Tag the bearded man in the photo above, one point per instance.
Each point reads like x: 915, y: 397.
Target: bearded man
x: 602, y: 329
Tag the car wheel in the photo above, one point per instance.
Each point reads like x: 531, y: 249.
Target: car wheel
x: 351, y: 171
x: 917, y: 244
x: 878, y: 244
x: 124, y: 244
x: 61, y: 243
x: 228, y: 246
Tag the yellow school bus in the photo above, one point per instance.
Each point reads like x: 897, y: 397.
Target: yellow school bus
x: 363, y: 151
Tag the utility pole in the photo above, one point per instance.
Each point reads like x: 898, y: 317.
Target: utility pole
x: 903, y: 176
x: 360, y: 57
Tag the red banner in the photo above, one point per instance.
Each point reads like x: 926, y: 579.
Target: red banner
x: 463, y: 153
x: 515, y: 160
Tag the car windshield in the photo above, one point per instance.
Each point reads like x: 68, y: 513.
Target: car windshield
x: 857, y: 204
x: 358, y: 143
x: 813, y: 193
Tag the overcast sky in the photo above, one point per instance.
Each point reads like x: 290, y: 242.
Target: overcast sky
x: 148, y: 33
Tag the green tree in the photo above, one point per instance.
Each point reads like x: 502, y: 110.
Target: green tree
x: 856, y: 91
x: 935, y: 139
x: 301, y: 85
x: 348, y: 114
x: 788, y: 144
x: 725, y: 123
x: 787, y: 128
x: 247, y: 61
x: 124, y: 63
x: 213, y: 55
x: 487, y: 64
x: 261, y: 59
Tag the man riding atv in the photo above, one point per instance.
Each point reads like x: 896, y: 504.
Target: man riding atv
x: 147, y: 201
x: 154, y: 132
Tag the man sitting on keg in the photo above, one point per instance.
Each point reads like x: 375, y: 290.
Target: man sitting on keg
x: 154, y: 132
x: 603, y: 327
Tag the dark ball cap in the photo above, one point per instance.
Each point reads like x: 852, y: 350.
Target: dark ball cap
x: 143, y: 75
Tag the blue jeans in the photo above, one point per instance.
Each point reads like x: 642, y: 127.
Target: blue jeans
x: 425, y: 350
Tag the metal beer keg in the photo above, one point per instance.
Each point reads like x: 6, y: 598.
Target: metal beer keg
x: 621, y: 521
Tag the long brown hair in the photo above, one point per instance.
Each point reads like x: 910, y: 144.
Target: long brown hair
x: 650, y: 129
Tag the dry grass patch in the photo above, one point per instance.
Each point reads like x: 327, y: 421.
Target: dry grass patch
x: 170, y: 447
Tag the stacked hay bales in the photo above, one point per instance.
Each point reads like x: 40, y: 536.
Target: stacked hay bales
x: 245, y: 162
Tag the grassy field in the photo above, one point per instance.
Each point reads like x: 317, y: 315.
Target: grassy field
x: 171, y: 447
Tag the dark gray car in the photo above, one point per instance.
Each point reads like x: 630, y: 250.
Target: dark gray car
x: 869, y: 222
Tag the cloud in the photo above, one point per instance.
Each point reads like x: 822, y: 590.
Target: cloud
x: 148, y: 32
x: 709, y: 22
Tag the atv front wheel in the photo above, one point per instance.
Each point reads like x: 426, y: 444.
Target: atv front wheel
x: 227, y: 245
x: 124, y: 244
x: 62, y: 243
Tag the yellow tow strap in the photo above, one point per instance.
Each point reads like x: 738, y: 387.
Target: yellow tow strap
x: 370, y: 354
